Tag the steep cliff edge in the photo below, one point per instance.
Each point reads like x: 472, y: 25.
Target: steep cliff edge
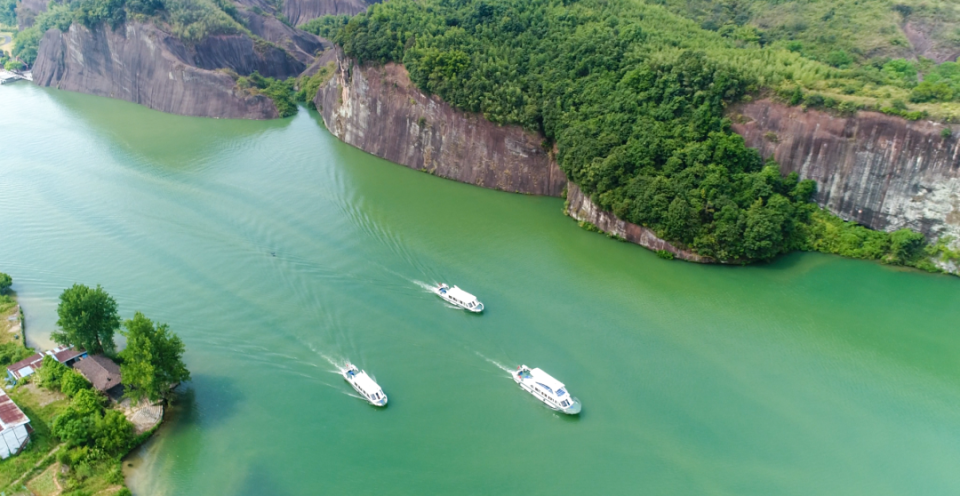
x: 301, y: 11
x: 379, y: 110
x: 881, y: 171
x: 144, y: 63
x: 141, y: 64
x: 582, y: 209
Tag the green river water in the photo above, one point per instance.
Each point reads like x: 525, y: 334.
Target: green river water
x: 274, y: 250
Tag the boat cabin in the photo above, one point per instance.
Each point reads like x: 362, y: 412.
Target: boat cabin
x: 460, y: 297
x: 366, y: 386
x: 550, y: 388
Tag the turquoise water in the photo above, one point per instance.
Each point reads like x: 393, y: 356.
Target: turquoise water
x: 275, y: 251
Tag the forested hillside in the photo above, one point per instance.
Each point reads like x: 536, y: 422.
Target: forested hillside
x: 633, y: 98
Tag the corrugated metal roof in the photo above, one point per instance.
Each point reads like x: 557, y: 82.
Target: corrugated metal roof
x: 66, y: 354
x: 32, y: 362
x: 10, y: 414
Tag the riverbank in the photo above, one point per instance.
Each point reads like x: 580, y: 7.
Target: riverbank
x: 47, y: 465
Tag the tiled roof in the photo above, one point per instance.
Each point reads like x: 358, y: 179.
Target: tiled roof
x: 10, y: 413
x: 100, y: 371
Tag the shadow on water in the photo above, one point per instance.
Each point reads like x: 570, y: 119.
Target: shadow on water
x: 165, y: 140
x: 259, y: 482
x: 220, y: 399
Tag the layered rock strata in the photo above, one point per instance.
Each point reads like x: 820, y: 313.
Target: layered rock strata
x: 379, y: 110
x: 301, y: 11
x: 142, y: 63
x: 581, y: 208
x: 878, y: 170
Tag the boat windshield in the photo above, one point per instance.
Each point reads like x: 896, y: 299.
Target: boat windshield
x: 561, y: 392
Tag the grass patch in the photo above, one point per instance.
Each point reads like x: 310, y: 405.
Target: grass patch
x: 44, y: 484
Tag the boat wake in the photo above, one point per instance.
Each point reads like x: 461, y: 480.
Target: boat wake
x: 499, y: 365
x: 430, y: 288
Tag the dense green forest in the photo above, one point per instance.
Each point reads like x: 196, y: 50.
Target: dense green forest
x: 633, y: 98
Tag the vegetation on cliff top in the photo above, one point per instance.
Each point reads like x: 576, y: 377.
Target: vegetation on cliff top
x: 632, y: 95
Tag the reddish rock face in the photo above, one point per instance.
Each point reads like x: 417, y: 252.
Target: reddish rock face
x: 379, y: 110
x: 581, y: 208
x: 881, y: 171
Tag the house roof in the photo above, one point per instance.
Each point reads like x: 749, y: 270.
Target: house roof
x: 30, y: 364
x: 66, y: 354
x: 26, y: 366
x: 101, y: 371
x: 10, y: 414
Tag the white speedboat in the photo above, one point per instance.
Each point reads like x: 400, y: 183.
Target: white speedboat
x: 364, y: 385
x: 458, y: 297
x: 547, y: 389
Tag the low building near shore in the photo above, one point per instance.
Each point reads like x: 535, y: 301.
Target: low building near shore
x: 103, y: 373
x: 26, y: 367
x: 14, y: 427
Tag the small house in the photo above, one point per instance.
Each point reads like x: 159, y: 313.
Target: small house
x: 14, y: 427
x: 102, y: 372
x: 26, y: 367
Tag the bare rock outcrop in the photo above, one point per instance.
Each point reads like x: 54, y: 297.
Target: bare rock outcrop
x: 379, y: 110
x: 881, y: 171
x: 581, y: 208
x: 301, y: 11
x: 141, y: 64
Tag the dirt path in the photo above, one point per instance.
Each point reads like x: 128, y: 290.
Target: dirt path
x: 20, y: 480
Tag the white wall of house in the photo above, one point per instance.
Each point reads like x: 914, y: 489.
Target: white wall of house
x: 12, y: 439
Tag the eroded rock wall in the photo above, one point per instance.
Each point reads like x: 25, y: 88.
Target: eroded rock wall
x: 881, y: 171
x: 379, y: 110
x: 581, y: 208
x: 144, y: 65
x: 301, y: 11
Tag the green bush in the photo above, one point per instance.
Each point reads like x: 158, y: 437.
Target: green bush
x: 12, y: 353
x: 5, y: 282
x: 51, y: 372
x: 281, y: 92
x: 71, y: 382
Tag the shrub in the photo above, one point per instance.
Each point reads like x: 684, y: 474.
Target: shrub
x: 5, y: 282
x: 931, y: 92
x: 51, y: 372
x: 72, y: 382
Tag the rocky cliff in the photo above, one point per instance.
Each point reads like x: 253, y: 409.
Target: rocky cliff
x: 581, y: 208
x: 142, y: 63
x: 878, y: 170
x: 301, y: 11
x: 378, y: 109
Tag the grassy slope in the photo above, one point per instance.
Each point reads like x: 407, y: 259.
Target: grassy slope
x: 864, y: 28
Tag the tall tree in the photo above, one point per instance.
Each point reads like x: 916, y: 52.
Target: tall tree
x: 88, y: 319
x: 152, y: 360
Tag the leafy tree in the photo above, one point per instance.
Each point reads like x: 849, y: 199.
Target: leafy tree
x: 72, y: 382
x: 152, y: 360
x: 51, y: 372
x: 12, y: 353
x: 88, y: 319
x: 112, y: 432
x: 5, y: 282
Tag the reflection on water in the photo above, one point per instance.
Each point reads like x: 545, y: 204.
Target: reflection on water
x: 273, y: 249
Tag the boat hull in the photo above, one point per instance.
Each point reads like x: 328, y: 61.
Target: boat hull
x: 573, y: 409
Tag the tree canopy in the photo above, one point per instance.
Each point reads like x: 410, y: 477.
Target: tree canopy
x: 152, y: 360
x: 5, y: 282
x: 88, y: 319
